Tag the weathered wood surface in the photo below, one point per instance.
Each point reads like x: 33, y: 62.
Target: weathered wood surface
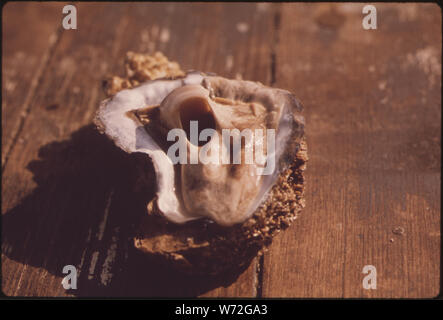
x: 373, y: 112
x: 373, y: 109
x: 26, y: 61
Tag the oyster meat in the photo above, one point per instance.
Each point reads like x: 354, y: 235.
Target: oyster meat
x: 217, y: 145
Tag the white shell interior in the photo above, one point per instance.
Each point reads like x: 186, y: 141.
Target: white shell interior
x: 132, y: 137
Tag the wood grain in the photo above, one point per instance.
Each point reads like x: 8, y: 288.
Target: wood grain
x: 373, y: 109
x: 25, y: 60
x: 67, y: 190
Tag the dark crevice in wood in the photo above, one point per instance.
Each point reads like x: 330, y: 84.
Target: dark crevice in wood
x: 259, y: 271
x: 275, y: 41
x: 33, y: 90
x: 344, y: 260
x: 345, y: 223
x: 274, y: 44
x: 273, y: 62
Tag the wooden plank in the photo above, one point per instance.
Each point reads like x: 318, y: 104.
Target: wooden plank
x: 67, y: 191
x: 46, y: 215
x: 373, y: 109
x: 24, y: 59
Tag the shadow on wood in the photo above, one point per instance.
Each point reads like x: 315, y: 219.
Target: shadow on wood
x: 84, y: 212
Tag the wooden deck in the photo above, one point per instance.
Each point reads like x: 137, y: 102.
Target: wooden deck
x: 373, y: 111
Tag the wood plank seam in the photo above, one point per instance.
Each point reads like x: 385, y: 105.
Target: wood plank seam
x: 32, y: 92
x: 259, y: 276
x: 275, y: 43
x: 259, y: 268
x: 345, y: 223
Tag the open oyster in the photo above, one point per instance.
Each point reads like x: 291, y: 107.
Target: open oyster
x: 217, y: 145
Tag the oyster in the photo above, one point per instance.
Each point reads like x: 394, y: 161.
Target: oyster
x: 209, y: 178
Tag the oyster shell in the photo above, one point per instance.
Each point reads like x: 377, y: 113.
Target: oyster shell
x: 227, y: 192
